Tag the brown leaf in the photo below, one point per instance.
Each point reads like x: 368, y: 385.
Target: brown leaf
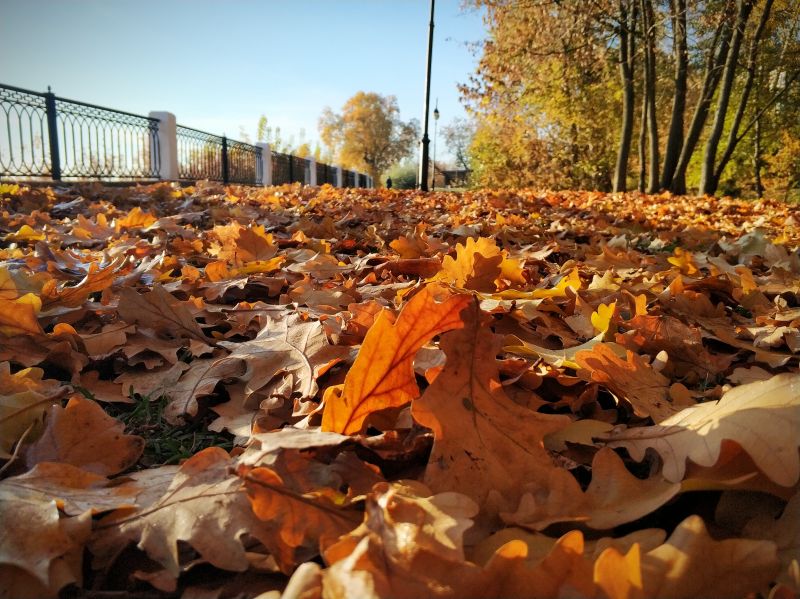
x: 485, y: 445
x: 83, y: 435
x: 613, y: 497
x: 197, y: 382
x: 286, y: 357
x: 410, y: 545
x: 161, y: 311
x: 204, y: 506
x: 632, y: 379
x: 382, y: 375
x: 40, y: 552
x: 763, y: 418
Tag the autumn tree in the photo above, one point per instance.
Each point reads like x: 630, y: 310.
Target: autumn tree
x: 368, y: 134
x: 556, y: 78
x: 458, y: 137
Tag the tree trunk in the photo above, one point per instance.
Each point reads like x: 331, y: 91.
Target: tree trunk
x: 717, y: 55
x: 708, y: 183
x: 680, y: 51
x: 733, y: 140
x: 650, y: 94
x: 626, y: 53
x: 757, y: 159
x: 642, y: 147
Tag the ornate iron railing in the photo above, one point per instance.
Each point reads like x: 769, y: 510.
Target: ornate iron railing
x: 287, y: 168
x: 243, y: 163
x: 103, y: 143
x: 326, y: 174
x: 46, y: 136
x: 199, y: 155
x: 24, y: 147
x: 42, y: 136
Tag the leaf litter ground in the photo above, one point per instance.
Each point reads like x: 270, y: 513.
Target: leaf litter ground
x: 316, y: 392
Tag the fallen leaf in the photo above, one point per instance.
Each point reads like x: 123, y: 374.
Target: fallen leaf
x: 485, y: 445
x: 383, y: 375
x: 83, y: 435
x: 762, y: 417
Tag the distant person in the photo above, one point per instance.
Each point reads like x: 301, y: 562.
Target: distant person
x: 388, y: 182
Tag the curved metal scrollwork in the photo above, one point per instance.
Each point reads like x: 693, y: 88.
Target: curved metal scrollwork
x: 24, y: 141
x: 104, y: 143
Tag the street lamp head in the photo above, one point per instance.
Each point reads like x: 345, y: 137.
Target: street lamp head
x: 436, y: 114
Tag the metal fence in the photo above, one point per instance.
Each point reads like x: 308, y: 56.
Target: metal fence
x: 326, y: 174
x: 46, y: 137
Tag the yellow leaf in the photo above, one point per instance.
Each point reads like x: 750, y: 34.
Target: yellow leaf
x: 601, y: 319
x: 684, y: 261
x: 19, y: 317
x: 25, y: 233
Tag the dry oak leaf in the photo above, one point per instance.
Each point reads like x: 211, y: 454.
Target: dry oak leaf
x: 409, y: 545
x: 197, y: 382
x: 204, y: 506
x: 160, y: 311
x: 286, y: 358
x: 563, y: 572
x: 83, y: 435
x: 74, y: 490
x: 96, y: 279
x: 763, y: 418
x: 632, y: 379
x: 692, y: 564
x: 24, y: 398
x: 478, y: 265
x: 315, y: 517
x: 614, y: 496
x: 40, y: 552
x: 785, y: 533
x: 20, y: 316
x: 485, y: 445
x: 383, y: 374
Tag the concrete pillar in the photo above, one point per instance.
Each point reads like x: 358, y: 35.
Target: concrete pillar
x: 312, y: 171
x: 167, y: 145
x: 339, y: 181
x: 266, y: 162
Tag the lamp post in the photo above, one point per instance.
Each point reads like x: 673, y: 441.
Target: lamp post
x: 435, y: 131
x: 423, y: 163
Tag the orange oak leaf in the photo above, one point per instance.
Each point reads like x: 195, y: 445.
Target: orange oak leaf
x: 614, y: 497
x: 485, y: 445
x: 409, y: 545
x: 382, y: 375
x: 477, y: 265
x: 83, y: 435
x: 632, y: 379
x: 20, y: 316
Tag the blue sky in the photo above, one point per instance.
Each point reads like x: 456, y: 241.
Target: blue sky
x: 219, y: 64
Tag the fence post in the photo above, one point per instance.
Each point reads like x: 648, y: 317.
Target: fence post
x: 339, y: 182
x: 167, y: 144
x: 52, y: 134
x: 266, y: 163
x: 224, y: 159
x: 355, y: 179
x: 312, y: 171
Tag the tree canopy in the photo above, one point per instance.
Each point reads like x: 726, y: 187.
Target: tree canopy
x: 368, y: 134
x: 715, y: 85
